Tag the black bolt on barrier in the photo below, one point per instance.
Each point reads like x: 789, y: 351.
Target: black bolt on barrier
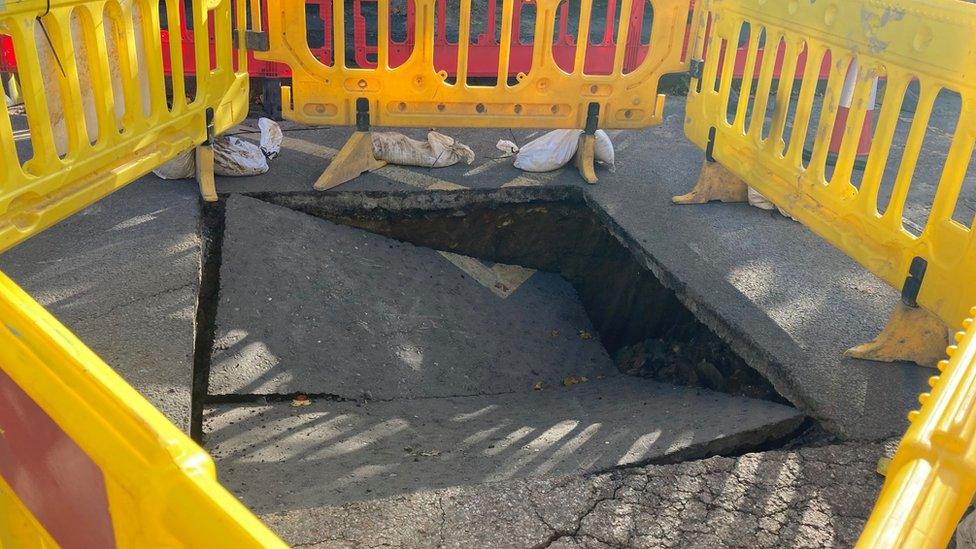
x: 592, y: 118
x: 362, y: 114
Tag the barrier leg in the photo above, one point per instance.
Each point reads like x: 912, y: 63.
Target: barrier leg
x: 912, y: 334
x: 356, y: 156
x: 205, y: 164
x: 715, y: 183
x: 585, y: 158
x: 11, y: 88
x: 205, y: 172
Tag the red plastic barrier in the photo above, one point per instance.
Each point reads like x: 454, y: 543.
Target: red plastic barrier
x: 742, y: 52
x: 483, y: 51
x: 7, y: 61
x: 484, y: 48
x: 256, y: 68
x: 801, y: 63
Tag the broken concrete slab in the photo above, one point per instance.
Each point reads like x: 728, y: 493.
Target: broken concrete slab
x: 123, y: 276
x: 812, y: 497
x: 314, y: 307
x: 278, y: 457
x: 738, y: 271
x: 788, y: 302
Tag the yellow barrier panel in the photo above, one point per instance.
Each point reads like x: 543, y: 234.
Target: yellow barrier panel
x: 932, y: 478
x: 760, y: 135
x: 760, y: 138
x: 97, y: 115
x: 84, y: 460
x: 416, y: 94
x: 154, y: 487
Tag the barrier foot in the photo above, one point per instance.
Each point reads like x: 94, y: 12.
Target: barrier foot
x: 715, y: 183
x: 912, y: 334
x: 354, y: 159
x: 585, y: 159
x: 205, y: 172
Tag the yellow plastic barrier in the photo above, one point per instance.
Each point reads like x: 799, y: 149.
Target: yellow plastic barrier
x: 759, y: 139
x: 68, y: 417
x: 416, y: 94
x: 85, y: 461
x: 932, y: 478
x: 70, y: 423
x: 96, y: 103
x: 899, y: 41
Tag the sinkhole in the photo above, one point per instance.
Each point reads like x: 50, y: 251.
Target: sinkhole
x: 355, y: 346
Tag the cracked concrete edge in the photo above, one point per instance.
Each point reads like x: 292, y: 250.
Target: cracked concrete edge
x: 811, y: 497
x: 736, y: 337
x: 408, y: 202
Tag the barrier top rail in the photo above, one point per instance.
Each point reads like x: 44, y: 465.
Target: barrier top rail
x: 415, y: 93
x: 85, y: 461
x: 766, y: 142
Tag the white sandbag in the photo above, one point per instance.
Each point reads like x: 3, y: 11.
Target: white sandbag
x: 603, y: 150
x: 233, y: 157
x: 757, y: 200
x: 183, y: 166
x: 271, y: 137
x: 438, y: 151
x: 238, y: 158
x: 507, y: 147
x: 549, y: 152
x: 557, y: 148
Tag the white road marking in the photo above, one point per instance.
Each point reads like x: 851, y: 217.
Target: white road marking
x: 626, y: 142
x: 489, y: 165
x: 446, y: 186
x: 502, y: 280
x: 532, y: 179
x: 309, y: 148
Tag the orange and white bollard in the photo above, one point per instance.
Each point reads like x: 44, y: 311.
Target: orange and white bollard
x: 843, y: 113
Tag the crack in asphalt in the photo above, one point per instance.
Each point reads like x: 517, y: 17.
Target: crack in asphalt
x: 558, y: 534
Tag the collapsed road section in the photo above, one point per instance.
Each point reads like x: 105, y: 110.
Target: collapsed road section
x: 348, y: 366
